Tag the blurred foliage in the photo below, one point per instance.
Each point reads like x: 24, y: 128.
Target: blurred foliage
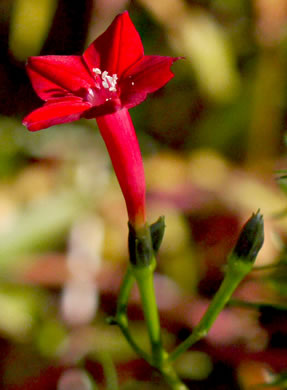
x: 28, y: 17
x: 212, y: 140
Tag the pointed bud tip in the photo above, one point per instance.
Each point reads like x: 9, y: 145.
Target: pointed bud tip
x: 250, y: 239
x: 157, y: 232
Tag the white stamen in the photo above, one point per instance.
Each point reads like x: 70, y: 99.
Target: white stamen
x: 108, y: 82
x: 109, y: 78
x: 91, y: 92
x: 105, y: 84
x: 97, y: 70
x: 90, y: 95
x: 133, y: 83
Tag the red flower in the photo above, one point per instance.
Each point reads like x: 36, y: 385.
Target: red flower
x: 111, y: 76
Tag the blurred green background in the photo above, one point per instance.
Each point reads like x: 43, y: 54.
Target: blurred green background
x: 214, y: 151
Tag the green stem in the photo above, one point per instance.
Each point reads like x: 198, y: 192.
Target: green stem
x: 133, y: 344
x: 233, y: 277
x: 124, y: 294
x: 269, y: 267
x: 171, y: 377
x: 256, y: 305
x: 121, y: 316
x: 110, y: 372
x: 144, y: 278
x: 143, y: 263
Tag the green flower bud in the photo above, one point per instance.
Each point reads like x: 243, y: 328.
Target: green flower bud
x: 250, y: 240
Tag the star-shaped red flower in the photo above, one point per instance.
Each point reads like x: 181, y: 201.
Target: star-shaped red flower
x: 112, y: 74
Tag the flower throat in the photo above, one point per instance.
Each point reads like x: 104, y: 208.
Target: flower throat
x: 107, y: 81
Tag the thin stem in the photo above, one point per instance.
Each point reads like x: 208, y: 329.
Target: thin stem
x: 133, y: 344
x: 121, y: 316
x: 109, y: 371
x: 171, y: 377
x: 232, y: 279
x: 144, y: 277
x: 142, y: 270
x: 124, y: 293
x: 256, y: 305
x: 269, y: 266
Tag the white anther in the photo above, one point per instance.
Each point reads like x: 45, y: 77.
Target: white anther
x: 97, y: 71
x: 91, y: 92
x: 90, y: 96
x: 105, y: 84
x: 108, y: 82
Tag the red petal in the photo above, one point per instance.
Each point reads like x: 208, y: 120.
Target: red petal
x: 55, y: 112
x: 120, y: 138
x: 118, y: 48
x: 150, y: 74
x: 54, y: 76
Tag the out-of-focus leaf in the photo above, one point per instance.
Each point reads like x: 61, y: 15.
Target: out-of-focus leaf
x: 195, y: 34
x: 10, y: 156
x: 50, y: 338
x: 20, y: 308
x: 278, y: 280
x: 39, y: 225
x: 223, y: 127
x: 257, y: 305
x: 194, y: 365
x: 205, y: 43
x: 30, y: 23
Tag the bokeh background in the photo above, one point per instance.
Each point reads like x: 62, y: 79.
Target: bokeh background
x: 214, y: 152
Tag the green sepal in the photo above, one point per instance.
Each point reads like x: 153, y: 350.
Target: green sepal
x: 157, y: 230
x: 140, y: 246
